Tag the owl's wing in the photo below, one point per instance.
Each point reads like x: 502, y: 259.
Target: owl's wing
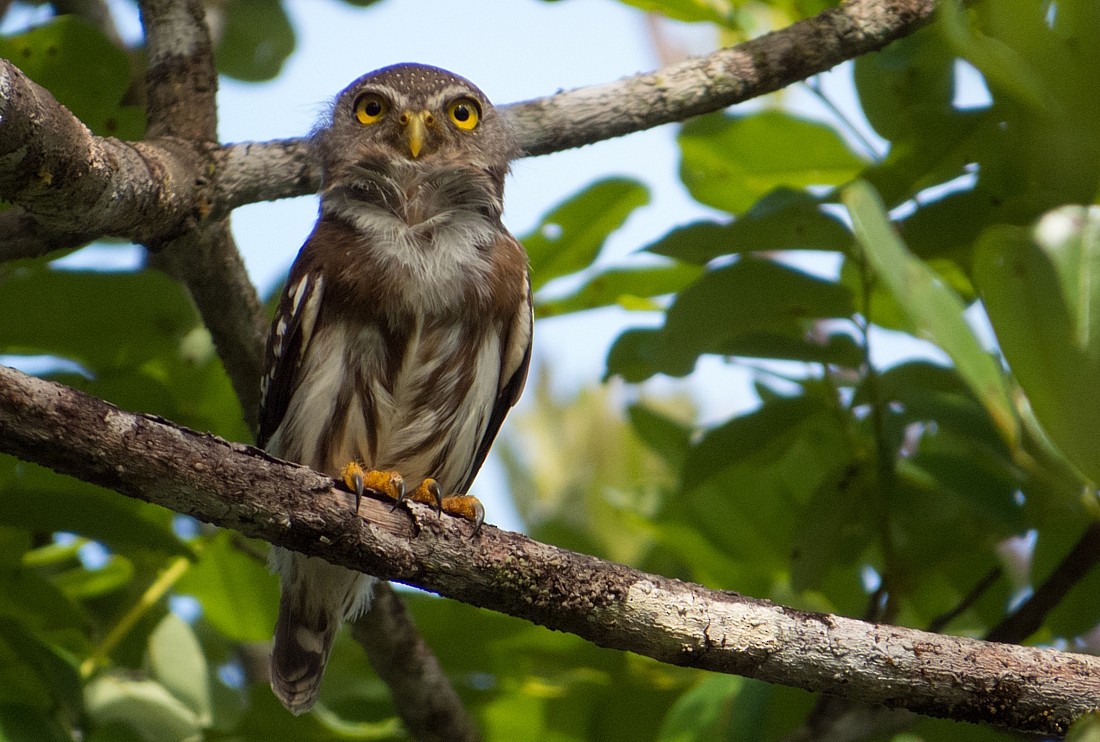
x: 290, y: 334
x: 515, y: 360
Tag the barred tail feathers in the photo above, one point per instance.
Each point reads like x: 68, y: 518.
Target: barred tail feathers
x: 316, y: 598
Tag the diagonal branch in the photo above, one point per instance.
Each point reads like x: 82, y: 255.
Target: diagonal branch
x: 257, y: 171
x: 236, y: 486
x: 674, y: 93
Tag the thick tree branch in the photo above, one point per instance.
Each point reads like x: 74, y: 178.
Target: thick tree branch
x: 77, y: 184
x: 181, y: 89
x: 236, y: 486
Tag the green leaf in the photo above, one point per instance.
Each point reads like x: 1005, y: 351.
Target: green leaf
x: 238, y: 595
x: 570, y: 236
x: 927, y: 392
x: 835, y: 526
x: 722, y: 12
x: 101, y: 320
x: 176, y: 659
x: 82, y: 69
x: 667, y: 437
x: 44, y: 502
x: 837, y: 349
x: 142, y: 705
x: 908, y: 88
x: 635, y: 357
x: 80, y: 583
x: 1085, y: 729
x: 629, y: 288
x: 744, y: 436
x: 1042, y: 294
x: 933, y: 309
x: 729, y: 162
x: 782, y: 220
x: 750, y: 296
x: 35, y: 672
x: 703, y: 711
x: 256, y: 40
x: 26, y: 724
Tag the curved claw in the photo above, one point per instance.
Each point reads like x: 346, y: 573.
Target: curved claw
x: 429, y: 493
x: 466, y: 507
x: 479, y: 517
x: 399, y: 486
x: 353, y: 477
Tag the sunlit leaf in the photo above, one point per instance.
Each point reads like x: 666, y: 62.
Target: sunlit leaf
x: 782, y: 220
x: 82, y: 69
x: 630, y: 288
x: 722, y: 12
x: 1042, y: 293
x: 237, y: 593
x: 177, y: 661
x: 933, y: 308
x: 731, y: 161
x: 1085, y: 729
x: 570, y: 236
x: 143, y: 705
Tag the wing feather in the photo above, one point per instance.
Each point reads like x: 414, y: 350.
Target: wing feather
x: 291, y: 331
x: 515, y: 361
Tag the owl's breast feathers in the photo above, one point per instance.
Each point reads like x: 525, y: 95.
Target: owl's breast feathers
x: 395, y: 350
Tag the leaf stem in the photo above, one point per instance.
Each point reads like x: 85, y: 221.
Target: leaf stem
x: 152, y: 595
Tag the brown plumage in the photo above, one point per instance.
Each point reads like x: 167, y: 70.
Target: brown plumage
x: 403, y: 336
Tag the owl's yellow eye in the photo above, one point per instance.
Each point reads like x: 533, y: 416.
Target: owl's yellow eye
x: 370, y: 107
x: 464, y: 113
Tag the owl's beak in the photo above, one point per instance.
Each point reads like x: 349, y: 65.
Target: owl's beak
x: 416, y: 130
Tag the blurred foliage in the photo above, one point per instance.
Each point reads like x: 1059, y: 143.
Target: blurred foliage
x: 886, y: 490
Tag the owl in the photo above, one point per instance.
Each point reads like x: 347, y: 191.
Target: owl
x: 403, y: 336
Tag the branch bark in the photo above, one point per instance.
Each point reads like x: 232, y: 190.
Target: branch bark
x: 239, y: 487
x: 257, y: 171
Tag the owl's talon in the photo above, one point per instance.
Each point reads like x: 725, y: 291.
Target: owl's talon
x: 429, y: 493
x: 355, y: 484
x: 466, y: 507
x: 386, y: 483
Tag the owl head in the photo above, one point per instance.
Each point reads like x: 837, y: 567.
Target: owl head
x: 414, y: 115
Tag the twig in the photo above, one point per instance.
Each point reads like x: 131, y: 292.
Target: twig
x: 1029, y: 616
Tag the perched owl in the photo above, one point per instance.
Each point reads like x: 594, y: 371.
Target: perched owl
x: 403, y: 336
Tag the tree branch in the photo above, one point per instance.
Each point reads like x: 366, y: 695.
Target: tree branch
x: 149, y: 191
x: 592, y: 114
x: 75, y: 183
x: 425, y: 700
x: 239, y: 487
x: 181, y: 88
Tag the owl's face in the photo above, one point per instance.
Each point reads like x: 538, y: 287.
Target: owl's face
x: 417, y: 115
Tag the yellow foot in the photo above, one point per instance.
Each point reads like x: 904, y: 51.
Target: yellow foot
x: 358, y: 480
x: 463, y: 506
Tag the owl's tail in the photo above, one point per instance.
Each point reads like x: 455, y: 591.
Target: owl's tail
x: 317, y: 597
